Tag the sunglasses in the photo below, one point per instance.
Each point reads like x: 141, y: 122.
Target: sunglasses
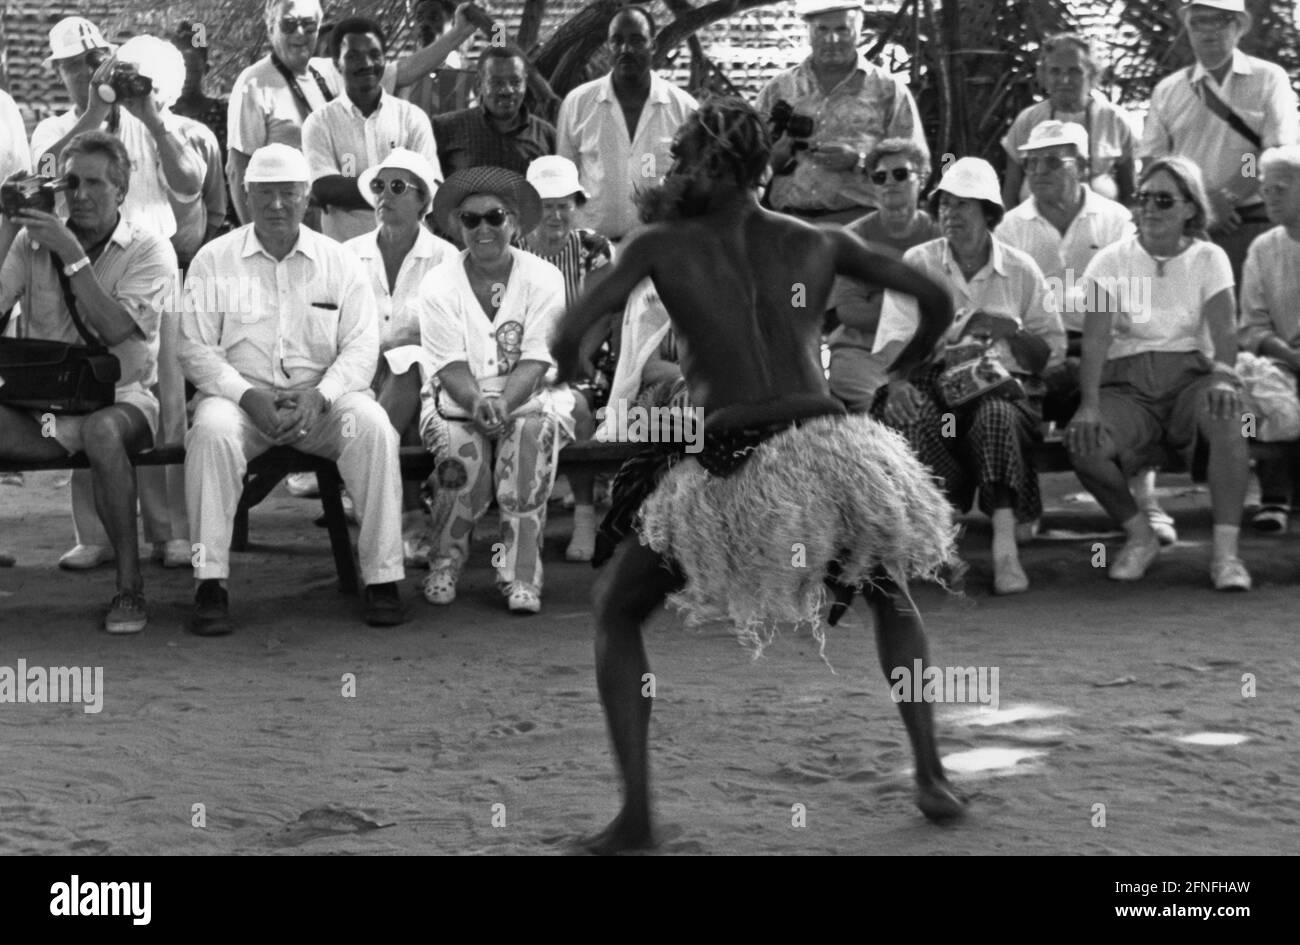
x: 1160, y: 198
x: 493, y: 218
x: 398, y: 187
x: 1212, y: 22
x: 899, y: 174
x: 291, y: 24
x: 1048, y: 162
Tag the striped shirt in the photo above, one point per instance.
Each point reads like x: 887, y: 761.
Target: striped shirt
x: 584, y: 251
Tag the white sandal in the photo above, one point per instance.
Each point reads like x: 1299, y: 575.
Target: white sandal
x: 523, y: 598
x: 440, y: 582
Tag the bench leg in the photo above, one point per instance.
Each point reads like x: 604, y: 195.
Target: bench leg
x: 331, y: 499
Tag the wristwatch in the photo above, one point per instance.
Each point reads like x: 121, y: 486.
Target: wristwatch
x: 71, y: 269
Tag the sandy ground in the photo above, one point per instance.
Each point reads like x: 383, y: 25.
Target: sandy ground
x: 468, y: 708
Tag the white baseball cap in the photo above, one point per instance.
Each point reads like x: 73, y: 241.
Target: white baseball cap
x: 807, y: 8
x: 1053, y: 133
x: 554, y: 177
x: 973, y: 178
x: 276, y: 164
x: 73, y: 36
x: 402, y: 159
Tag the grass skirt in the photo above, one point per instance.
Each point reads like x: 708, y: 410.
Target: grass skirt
x: 754, y: 546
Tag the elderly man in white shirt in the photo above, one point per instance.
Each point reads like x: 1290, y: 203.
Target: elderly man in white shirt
x: 358, y: 130
x: 279, y: 336
x: 619, y: 129
x: 397, y: 256
x: 1221, y: 113
x: 486, y: 316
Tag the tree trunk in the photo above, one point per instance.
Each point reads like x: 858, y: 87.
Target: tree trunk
x: 530, y: 24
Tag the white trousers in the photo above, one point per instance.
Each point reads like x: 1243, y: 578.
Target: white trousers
x: 354, y: 433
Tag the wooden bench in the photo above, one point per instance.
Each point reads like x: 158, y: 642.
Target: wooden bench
x: 266, y: 471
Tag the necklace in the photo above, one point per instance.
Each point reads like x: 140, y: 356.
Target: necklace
x: 1161, y: 260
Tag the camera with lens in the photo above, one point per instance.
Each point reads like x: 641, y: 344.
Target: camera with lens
x: 32, y: 192
x: 125, y: 82
x: 786, y: 121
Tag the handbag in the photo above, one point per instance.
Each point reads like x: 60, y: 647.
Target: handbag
x: 55, y: 376
x: 972, y: 368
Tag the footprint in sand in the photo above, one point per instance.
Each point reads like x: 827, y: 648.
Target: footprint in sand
x: 324, y: 822
x: 515, y: 728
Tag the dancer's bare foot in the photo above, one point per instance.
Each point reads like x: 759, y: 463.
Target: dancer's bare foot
x: 939, y: 801
x: 625, y: 832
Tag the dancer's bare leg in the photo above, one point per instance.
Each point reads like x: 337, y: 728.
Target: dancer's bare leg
x: 630, y: 587
x: 900, y: 639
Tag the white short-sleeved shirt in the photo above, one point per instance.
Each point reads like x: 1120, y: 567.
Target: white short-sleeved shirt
x: 14, y: 155
x: 338, y: 139
x: 1010, y: 285
x: 1159, y: 312
x: 1180, y: 123
x: 592, y: 133
x: 398, y: 311
x: 454, y: 327
x: 1064, y: 257
x: 148, y: 202
x: 262, y: 109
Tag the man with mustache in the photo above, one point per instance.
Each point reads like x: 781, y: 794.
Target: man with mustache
x: 359, y: 129
x: 745, y: 289
x: 498, y: 131
x: 617, y: 129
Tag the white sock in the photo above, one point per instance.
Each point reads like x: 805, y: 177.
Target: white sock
x: 1225, y: 541
x: 1004, y: 533
x: 1143, y: 487
x: 1138, y: 528
x: 584, y: 519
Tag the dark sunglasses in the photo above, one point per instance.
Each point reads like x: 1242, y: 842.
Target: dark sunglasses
x: 1160, y: 198
x: 290, y: 24
x: 1048, y: 162
x: 493, y: 218
x: 899, y: 174
x: 398, y: 187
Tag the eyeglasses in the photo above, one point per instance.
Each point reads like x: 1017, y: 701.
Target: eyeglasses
x: 1162, y: 199
x: 398, y: 187
x: 291, y: 24
x: 493, y: 218
x: 1211, y: 22
x: 1048, y: 162
x: 899, y: 174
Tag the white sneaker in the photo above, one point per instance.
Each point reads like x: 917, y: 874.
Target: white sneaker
x: 440, y: 583
x: 1229, y: 574
x: 302, y: 485
x: 1133, y: 560
x: 523, y: 598
x: 87, y: 557
x: 173, y: 554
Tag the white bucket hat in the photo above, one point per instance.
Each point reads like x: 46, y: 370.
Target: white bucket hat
x: 276, y: 164
x: 402, y: 159
x: 1053, y: 133
x: 73, y: 36
x: 555, y: 177
x: 1227, y: 6
x: 973, y: 178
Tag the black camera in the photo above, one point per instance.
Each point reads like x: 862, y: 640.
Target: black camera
x: 125, y: 82
x: 33, y: 192
x: 785, y: 120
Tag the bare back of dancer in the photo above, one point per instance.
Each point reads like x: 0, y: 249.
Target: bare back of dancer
x: 745, y: 290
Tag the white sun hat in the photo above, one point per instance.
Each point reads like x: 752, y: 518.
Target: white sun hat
x: 555, y: 177
x: 402, y: 159
x: 972, y: 178
x: 1053, y: 133
x: 276, y: 164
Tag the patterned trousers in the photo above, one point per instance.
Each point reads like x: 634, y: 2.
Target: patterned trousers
x: 975, y: 448
x: 520, y: 467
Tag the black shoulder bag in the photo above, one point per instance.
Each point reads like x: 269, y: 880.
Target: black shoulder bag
x: 55, y: 376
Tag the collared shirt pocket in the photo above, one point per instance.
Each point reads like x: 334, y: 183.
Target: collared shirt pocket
x: 314, y: 342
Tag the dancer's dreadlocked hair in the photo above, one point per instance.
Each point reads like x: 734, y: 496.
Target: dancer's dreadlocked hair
x: 737, y: 136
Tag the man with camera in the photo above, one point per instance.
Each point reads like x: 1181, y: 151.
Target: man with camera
x: 104, y: 271
x: 827, y: 113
